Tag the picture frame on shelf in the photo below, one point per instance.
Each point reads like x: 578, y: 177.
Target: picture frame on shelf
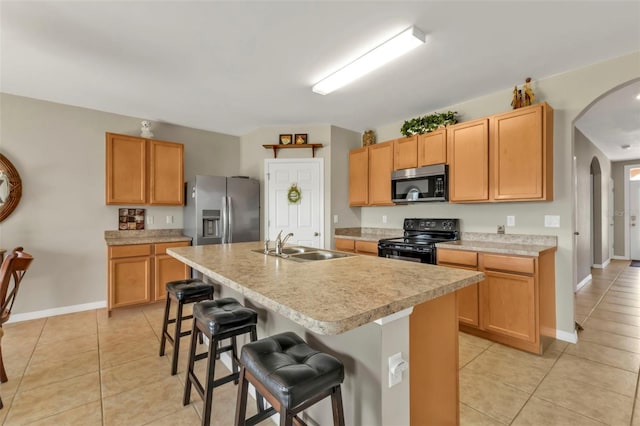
x: 285, y: 139
x: 301, y: 138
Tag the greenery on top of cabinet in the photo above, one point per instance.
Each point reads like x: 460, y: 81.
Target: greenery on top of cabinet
x: 428, y: 123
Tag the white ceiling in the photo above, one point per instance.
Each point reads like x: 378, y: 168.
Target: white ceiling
x: 233, y: 67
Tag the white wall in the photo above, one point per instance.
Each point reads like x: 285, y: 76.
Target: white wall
x: 253, y: 155
x: 59, y: 151
x: 585, y: 152
x: 568, y: 93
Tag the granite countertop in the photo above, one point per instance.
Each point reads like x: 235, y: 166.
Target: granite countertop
x: 148, y: 236
x: 522, y: 245
x: 327, y: 297
x: 367, y: 234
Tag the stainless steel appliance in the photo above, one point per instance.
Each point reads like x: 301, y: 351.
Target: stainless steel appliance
x: 222, y: 209
x: 428, y: 183
x: 420, y: 238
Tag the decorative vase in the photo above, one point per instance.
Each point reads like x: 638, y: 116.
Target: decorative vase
x: 368, y: 138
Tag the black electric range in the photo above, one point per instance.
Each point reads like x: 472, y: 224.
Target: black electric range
x: 420, y: 238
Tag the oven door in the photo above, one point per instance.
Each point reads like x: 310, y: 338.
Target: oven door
x: 422, y: 256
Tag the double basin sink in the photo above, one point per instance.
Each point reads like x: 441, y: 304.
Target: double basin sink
x: 305, y: 254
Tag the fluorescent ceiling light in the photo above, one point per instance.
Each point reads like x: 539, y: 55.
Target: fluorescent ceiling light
x: 386, y: 52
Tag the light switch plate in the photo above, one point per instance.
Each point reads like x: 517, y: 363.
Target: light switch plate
x: 384, y: 219
x: 552, y: 221
x: 511, y: 221
x: 335, y: 218
x: 150, y: 220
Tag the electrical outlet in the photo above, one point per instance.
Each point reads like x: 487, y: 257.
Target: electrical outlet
x: 511, y: 221
x: 397, y: 365
x: 335, y: 218
x: 169, y: 219
x: 149, y: 220
x: 384, y: 219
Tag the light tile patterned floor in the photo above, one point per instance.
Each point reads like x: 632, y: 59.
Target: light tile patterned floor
x: 591, y: 383
x: 87, y: 369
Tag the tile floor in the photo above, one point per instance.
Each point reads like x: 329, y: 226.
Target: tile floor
x: 591, y: 383
x: 87, y: 369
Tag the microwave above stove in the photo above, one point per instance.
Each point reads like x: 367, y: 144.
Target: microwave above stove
x: 428, y: 183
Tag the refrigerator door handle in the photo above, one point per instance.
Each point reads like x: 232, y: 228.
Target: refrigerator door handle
x: 224, y: 220
x: 229, y: 220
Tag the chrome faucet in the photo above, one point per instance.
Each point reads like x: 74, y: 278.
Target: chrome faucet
x: 280, y: 242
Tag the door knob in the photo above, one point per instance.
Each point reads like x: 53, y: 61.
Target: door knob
x: 315, y: 234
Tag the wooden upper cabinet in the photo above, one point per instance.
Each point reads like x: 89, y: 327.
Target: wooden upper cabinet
x: 144, y: 171
x: 359, y: 177
x: 380, y: 168
x: 405, y: 154
x: 468, y: 155
x: 522, y: 154
x: 126, y: 170
x: 166, y: 173
x: 432, y: 148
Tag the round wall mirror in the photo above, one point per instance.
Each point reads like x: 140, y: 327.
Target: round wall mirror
x: 10, y: 188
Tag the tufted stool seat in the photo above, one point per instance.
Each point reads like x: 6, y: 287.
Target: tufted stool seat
x: 183, y: 292
x: 217, y: 319
x: 291, y: 375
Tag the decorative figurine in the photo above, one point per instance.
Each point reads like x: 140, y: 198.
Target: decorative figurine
x: 523, y: 97
x: 529, y: 97
x: 145, y: 131
x: 368, y: 138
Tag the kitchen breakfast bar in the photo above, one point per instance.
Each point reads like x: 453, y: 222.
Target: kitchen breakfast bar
x: 363, y: 310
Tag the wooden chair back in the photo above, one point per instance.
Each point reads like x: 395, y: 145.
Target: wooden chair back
x: 14, y: 267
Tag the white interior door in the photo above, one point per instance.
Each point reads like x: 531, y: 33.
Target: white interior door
x: 634, y: 219
x: 304, y: 218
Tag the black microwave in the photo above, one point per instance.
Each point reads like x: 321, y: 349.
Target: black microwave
x: 428, y: 183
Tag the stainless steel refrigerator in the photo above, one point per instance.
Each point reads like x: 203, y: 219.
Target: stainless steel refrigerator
x: 222, y: 209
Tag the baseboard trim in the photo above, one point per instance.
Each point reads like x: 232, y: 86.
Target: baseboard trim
x: 57, y: 311
x: 566, y: 336
x: 619, y: 257
x: 603, y: 265
x: 584, y: 282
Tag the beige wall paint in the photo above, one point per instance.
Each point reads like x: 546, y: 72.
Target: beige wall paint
x: 585, y: 152
x: 253, y: 155
x: 568, y: 93
x: 59, y: 151
x: 619, y: 207
x: 342, y: 140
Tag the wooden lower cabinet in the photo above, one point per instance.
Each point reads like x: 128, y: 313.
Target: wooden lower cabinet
x: 137, y: 273
x: 367, y: 247
x: 344, y: 244
x: 167, y: 268
x: 357, y: 246
x: 514, y: 304
x: 510, y: 305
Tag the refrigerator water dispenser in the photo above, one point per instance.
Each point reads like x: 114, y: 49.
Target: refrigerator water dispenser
x: 211, y: 224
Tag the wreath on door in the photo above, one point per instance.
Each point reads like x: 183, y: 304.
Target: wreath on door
x: 294, y: 194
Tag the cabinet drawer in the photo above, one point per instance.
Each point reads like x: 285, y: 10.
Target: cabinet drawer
x: 345, y: 245
x: 458, y: 257
x: 367, y: 247
x: 522, y: 265
x: 162, y: 248
x: 129, y: 251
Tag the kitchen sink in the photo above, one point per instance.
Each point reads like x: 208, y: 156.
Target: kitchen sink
x: 305, y: 254
x: 318, y: 255
x: 297, y: 250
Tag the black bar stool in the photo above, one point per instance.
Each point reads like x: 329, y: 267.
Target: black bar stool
x: 291, y: 375
x: 183, y: 292
x: 217, y: 319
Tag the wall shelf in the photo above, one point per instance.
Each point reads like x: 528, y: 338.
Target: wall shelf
x: 275, y: 148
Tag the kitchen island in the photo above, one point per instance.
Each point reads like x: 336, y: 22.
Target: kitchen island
x: 363, y: 310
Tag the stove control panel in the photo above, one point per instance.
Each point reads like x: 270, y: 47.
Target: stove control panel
x: 416, y: 224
